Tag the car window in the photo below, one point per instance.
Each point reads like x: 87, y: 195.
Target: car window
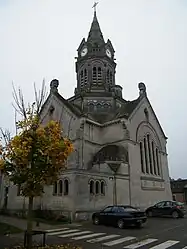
x: 121, y: 209
x: 130, y: 209
x: 108, y: 209
x: 160, y: 204
x: 167, y: 204
x: 115, y: 209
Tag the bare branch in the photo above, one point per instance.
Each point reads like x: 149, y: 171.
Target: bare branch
x: 40, y: 97
x: 15, y: 121
x: 6, y: 136
x: 19, y: 101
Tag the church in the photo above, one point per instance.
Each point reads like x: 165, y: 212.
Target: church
x: 120, y: 154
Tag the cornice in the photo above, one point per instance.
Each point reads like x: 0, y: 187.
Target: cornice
x: 116, y: 121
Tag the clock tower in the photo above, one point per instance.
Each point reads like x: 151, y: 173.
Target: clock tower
x: 95, y: 66
x: 96, y: 93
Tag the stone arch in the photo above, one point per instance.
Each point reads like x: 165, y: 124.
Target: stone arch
x: 148, y: 129
x: 111, y: 153
x: 97, y: 62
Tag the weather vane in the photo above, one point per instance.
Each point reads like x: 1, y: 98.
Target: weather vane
x: 95, y: 5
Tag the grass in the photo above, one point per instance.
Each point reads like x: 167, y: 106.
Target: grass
x: 5, y: 228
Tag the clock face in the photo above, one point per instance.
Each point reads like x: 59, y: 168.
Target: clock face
x: 108, y: 53
x: 84, y: 51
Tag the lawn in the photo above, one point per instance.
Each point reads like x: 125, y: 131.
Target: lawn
x: 5, y: 228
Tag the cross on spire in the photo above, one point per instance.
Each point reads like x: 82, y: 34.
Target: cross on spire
x: 95, y: 5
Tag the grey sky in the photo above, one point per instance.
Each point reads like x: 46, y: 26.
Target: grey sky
x: 39, y: 38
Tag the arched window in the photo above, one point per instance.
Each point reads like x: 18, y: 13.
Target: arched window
x: 102, y: 188
x: 99, y: 106
x: 85, y: 77
x: 149, y: 152
x: 157, y: 162
x: 145, y: 154
x: 108, y: 77
x: 55, y: 188
x: 111, y: 78
x: 99, y: 75
x: 82, y: 78
x: 66, y: 187
x: 94, y: 76
x: 60, y: 187
x: 97, y: 187
x: 91, y: 106
x: 141, y: 157
x: 106, y: 106
x: 91, y: 187
x: 153, y: 154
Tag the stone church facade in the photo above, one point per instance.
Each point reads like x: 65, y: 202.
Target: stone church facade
x: 120, y: 152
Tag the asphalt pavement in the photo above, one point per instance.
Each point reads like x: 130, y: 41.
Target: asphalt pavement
x: 157, y: 233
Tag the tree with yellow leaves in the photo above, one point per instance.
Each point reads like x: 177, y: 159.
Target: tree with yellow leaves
x: 36, y: 155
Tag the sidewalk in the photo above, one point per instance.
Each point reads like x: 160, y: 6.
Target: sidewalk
x: 17, y: 238
x: 22, y: 223
x: 6, y: 241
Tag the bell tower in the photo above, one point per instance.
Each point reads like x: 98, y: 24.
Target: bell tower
x: 95, y: 65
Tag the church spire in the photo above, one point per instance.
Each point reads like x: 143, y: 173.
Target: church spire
x: 95, y: 34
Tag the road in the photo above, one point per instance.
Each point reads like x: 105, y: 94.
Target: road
x: 157, y: 233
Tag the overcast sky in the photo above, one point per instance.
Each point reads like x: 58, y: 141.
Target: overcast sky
x: 39, y: 39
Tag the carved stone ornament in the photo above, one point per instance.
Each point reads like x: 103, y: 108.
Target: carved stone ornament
x: 114, y: 166
x: 125, y: 130
x: 82, y: 124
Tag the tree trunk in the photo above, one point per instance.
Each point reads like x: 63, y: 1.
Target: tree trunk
x: 29, y: 223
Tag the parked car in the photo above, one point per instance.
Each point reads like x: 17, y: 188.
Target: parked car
x: 165, y: 208
x: 119, y: 216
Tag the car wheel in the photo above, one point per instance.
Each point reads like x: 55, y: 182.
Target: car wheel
x: 150, y: 214
x: 121, y: 224
x: 96, y: 221
x: 175, y: 215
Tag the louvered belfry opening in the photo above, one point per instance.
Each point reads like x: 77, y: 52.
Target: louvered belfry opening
x: 97, y: 77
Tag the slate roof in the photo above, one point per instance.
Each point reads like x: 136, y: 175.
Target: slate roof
x: 127, y: 108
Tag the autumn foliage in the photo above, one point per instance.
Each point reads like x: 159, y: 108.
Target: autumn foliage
x: 37, y: 154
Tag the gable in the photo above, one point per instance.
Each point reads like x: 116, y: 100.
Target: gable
x: 140, y: 122
x: 63, y: 112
